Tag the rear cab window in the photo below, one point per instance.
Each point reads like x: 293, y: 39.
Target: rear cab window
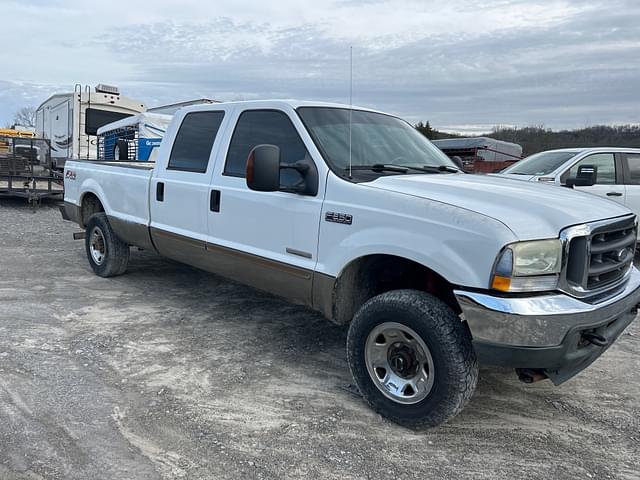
x: 193, y: 143
x: 633, y: 168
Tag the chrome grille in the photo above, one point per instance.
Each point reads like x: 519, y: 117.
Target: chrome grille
x: 598, y: 256
x: 611, y: 256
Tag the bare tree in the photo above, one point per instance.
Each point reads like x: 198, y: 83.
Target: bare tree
x: 26, y: 117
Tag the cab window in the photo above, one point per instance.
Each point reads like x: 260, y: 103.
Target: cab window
x: 194, y: 140
x: 633, y: 164
x: 256, y: 127
x: 606, y: 164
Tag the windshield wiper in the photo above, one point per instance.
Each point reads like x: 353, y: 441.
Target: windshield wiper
x: 392, y: 167
x: 380, y: 167
x: 440, y: 168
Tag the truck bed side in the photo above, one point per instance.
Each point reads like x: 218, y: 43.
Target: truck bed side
x: 121, y: 188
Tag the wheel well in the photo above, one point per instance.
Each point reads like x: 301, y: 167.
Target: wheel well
x: 90, y: 204
x: 368, y: 276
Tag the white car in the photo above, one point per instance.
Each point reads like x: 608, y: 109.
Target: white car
x: 617, y: 176
x: 355, y: 214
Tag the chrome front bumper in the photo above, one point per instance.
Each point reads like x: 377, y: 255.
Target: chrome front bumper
x: 546, y: 331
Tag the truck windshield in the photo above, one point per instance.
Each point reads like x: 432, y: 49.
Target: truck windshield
x: 541, y: 163
x: 378, y: 142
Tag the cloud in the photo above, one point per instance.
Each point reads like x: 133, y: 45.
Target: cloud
x: 516, y: 62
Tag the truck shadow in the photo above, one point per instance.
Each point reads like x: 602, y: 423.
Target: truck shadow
x: 286, y: 333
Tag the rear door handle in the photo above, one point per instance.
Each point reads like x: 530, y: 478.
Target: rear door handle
x: 160, y: 192
x: 214, y: 201
x: 614, y: 194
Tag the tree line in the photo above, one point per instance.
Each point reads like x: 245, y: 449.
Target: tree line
x: 538, y: 138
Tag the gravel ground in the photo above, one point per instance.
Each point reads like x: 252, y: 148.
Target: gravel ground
x: 169, y: 372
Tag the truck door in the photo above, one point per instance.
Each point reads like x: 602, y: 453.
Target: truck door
x: 631, y: 164
x: 609, y: 182
x: 179, y: 191
x: 265, y: 239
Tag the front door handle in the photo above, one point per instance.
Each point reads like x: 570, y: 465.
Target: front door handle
x: 160, y: 192
x: 214, y: 201
x: 614, y: 194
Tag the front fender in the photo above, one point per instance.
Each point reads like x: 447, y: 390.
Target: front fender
x: 458, y: 244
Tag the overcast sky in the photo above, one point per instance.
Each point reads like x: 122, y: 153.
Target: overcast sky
x: 463, y: 65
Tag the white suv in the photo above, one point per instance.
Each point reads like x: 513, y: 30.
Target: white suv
x: 617, y: 175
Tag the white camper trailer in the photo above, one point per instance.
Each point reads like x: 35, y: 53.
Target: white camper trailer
x: 71, y: 120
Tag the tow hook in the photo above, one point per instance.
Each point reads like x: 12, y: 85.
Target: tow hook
x: 530, y: 375
x: 595, y: 339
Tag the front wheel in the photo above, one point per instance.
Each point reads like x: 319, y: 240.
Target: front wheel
x: 107, y: 254
x: 412, y: 358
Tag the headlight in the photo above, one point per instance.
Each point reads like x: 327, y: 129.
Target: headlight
x: 528, y: 266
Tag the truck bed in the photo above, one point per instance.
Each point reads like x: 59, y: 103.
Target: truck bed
x: 123, y: 187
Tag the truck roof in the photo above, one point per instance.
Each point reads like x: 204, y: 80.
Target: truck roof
x: 595, y: 149
x: 271, y: 103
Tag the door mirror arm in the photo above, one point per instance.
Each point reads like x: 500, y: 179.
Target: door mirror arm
x: 263, y: 172
x: 309, y: 183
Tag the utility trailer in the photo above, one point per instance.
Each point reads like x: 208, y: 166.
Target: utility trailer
x: 26, y: 170
x: 481, y: 154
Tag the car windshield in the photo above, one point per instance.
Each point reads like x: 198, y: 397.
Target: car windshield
x: 541, y: 163
x: 377, y: 141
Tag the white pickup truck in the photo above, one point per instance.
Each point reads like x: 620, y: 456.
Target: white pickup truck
x: 615, y: 172
x: 353, y: 213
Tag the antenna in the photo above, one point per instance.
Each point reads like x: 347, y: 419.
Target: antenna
x: 350, y: 101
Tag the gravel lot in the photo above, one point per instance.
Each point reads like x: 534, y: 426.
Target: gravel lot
x: 169, y: 372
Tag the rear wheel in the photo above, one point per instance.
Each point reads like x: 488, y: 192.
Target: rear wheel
x: 412, y: 358
x: 107, y: 254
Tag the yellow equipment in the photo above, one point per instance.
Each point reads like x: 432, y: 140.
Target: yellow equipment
x: 12, y: 132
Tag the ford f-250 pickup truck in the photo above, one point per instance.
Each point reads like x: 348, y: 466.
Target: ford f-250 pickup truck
x: 354, y: 213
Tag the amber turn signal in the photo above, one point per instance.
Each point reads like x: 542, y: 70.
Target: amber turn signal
x: 501, y: 283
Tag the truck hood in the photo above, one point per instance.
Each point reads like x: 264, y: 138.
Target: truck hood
x: 529, y: 210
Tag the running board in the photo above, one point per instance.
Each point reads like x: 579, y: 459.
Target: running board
x: 78, y: 235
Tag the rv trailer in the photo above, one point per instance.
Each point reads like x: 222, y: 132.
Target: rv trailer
x: 70, y: 121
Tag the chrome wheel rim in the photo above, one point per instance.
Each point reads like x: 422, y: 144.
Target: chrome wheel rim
x: 399, y: 363
x: 97, y: 246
